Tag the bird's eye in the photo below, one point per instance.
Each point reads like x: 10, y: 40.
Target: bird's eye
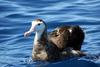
x: 38, y: 24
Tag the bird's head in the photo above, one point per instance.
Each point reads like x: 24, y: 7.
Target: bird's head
x: 38, y: 26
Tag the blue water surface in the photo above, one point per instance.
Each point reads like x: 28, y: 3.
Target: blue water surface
x: 16, y: 17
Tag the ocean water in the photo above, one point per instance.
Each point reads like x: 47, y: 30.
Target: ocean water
x: 16, y: 17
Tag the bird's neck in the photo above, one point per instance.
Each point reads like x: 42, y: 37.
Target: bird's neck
x: 39, y: 49
x: 40, y: 37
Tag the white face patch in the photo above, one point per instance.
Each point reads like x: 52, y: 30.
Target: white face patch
x: 38, y: 26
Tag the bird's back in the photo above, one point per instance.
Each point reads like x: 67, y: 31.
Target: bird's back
x: 67, y: 36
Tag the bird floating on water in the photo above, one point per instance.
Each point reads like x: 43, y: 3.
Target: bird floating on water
x: 62, y: 42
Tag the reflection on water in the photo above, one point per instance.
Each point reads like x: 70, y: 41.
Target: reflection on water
x: 16, y: 17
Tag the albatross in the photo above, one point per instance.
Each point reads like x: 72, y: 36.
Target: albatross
x: 62, y: 42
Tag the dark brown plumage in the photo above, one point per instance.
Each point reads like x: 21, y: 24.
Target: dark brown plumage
x: 62, y: 37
